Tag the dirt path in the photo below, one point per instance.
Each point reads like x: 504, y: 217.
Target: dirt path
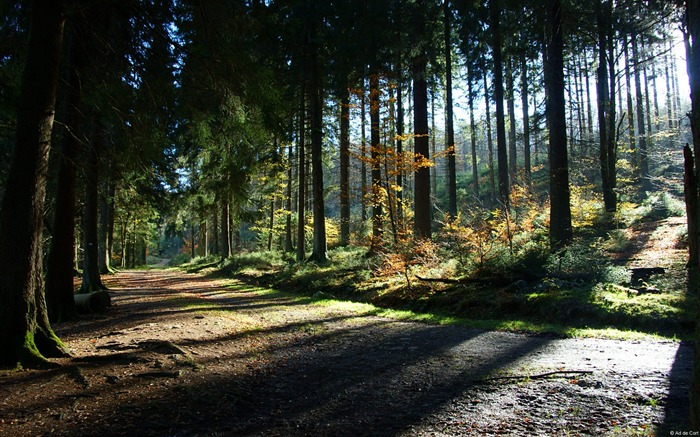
x: 181, y: 355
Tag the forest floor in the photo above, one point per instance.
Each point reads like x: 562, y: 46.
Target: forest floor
x: 183, y: 355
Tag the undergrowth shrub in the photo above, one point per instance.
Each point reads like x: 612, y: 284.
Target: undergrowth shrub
x: 579, y: 259
x: 179, y: 259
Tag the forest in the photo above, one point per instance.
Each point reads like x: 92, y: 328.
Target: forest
x: 504, y: 165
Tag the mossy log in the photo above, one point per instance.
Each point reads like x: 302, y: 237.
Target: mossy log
x: 90, y: 303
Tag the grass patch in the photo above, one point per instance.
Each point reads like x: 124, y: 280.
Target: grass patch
x: 600, y: 306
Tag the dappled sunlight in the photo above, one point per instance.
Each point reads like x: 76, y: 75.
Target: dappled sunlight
x: 188, y: 354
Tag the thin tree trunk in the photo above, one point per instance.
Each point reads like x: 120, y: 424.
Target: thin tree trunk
x: 399, y: 149
x: 288, y: 243
x: 26, y: 337
x: 643, y: 158
x: 512, y: 143
x: 375, y: 151
x: 632, y: 137
x: 503, y: 182
x: 449, y: 128
x: 301, y: 166
x: 669, y: 98
x: 589, y: 105
x: 606, y: 108
x: 363, y: 153
x: 472, y: 131
x: 526, y: 113
x: 225, y: 228
x: 91, y: 271
x: 489, y: 139
x: 106, y: 218
x: 345, y: 166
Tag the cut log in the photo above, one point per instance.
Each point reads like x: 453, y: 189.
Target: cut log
x: 90, y: 303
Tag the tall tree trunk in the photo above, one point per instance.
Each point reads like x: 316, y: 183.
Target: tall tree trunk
x: 669, y: 97
x: 319, y: 253
x: 693, y: 56
x: 503, y: 182
x: 91, y: 270
x: 560, y: 232
x: 363, y: 153
x: 375, y: 153
x: 674, y: 84
x: 449, y: 122
x: 26, y: 336
x: 643, y: 158
x: 433, y: 153
x: 606, y: 106
x: 489, y: 137
x: 61, y: 257
x: 630, y: 111
x: 589, y: 105
x: 288, y: 243
x: 472, y: 130
x: 421, y: 220
x: 215, y: 232
x: 226, y: 249
x: 301, y: 163
x: 512, y: 142
x: 345, y: 166
x: 106, y: 218
x: 526, y: 112
x: 399, y: 147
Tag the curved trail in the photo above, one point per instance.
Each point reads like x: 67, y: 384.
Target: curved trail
x: 185, y: 355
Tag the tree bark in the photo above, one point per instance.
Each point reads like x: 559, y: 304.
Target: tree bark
x: 26, y: 337
x: 560, y: 232
x: 61, y: 257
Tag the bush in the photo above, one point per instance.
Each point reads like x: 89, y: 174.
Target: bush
x: 179, y: 259
x: 579, y: 259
